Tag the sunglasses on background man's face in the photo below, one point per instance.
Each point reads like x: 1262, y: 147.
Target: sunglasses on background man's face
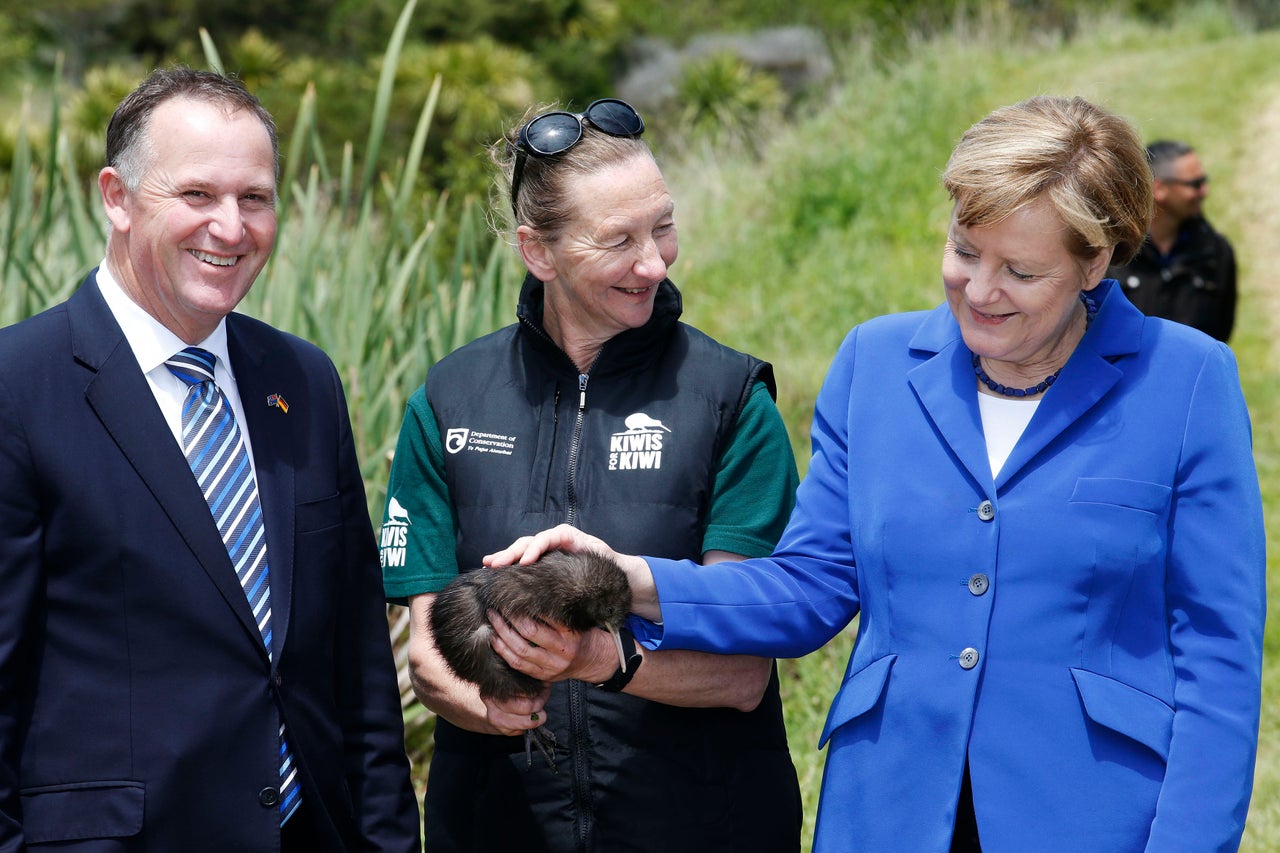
x: 556, y: 132
x: 1194, y: 183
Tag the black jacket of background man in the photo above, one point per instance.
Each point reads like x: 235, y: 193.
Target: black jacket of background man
x: 1194, y: 284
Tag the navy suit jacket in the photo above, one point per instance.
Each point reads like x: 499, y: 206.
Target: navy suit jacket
x: 1084, y: 628
x: 138, y: 707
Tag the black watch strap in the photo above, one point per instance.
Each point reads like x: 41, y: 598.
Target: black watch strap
x: 622, y: 677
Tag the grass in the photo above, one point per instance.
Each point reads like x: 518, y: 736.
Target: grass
x: 838, y: 218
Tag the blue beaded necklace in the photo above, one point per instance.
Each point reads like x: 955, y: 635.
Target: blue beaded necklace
x: 1091, y: 311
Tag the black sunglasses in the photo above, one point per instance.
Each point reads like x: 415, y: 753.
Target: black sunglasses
x: 556, y: 132
x: 1194, y: 183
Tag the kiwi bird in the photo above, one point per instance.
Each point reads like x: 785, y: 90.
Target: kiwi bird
x: 577, y: 591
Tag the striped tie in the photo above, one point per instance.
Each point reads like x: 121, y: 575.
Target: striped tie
x: 216, y: 453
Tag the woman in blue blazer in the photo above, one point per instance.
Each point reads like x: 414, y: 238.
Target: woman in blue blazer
x: 1044, y: 509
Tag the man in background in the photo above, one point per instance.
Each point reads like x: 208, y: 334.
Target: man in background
x: 1185, y: 270
x: 194, y: 652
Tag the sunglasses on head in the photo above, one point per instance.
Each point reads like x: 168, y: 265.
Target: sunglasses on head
x: 1194, y: 183
x: 556, y: 132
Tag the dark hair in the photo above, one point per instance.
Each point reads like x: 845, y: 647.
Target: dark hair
x: 1162, y: 152
x: 128, y: 149
x: 1089, y: 164
x: 543, y: 203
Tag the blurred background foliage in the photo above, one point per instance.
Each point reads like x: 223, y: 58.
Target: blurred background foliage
x: 495, y: 56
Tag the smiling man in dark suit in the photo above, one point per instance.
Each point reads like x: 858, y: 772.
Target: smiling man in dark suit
x: 193, y: 646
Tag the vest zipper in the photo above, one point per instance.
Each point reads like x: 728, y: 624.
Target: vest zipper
x: 584, y: 813
x: 571, y: 491
x: 584, y: 810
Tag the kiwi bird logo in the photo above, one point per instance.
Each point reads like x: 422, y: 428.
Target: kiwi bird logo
x: 640, y: 422
x: 578, y: 591
x: 397, y: 513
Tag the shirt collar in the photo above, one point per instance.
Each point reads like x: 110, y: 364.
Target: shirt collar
x: 151, y: 342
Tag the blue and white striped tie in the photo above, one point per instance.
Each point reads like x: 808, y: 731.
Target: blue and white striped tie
x: 216, y: 453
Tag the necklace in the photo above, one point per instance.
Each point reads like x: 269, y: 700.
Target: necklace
x: 1091, y: 311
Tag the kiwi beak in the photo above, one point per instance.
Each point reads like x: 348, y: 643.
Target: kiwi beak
x: 622, y: 656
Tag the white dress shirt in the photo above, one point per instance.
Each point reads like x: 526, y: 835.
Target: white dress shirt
x: 152, y: 344
x: 1004, y: 419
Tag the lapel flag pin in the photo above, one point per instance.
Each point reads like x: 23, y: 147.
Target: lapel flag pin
x: 278, y: 401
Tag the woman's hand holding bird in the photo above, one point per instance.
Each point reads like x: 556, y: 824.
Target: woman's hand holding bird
x: 550, y: 652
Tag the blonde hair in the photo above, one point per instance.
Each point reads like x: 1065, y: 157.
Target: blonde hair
x: 1089, y: 164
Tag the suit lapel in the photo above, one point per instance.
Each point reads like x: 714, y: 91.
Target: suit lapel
x: 1085, y: 381
x: 944, y: 386
x: 121, y: 398
x: 947, y: 390
x: 272, y: 434
x: 1087, y: 378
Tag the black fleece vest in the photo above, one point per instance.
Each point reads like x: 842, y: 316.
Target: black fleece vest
x: 627, y: 452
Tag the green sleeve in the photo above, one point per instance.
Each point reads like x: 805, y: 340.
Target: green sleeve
x: 756, y: 482
x: 417, y: 540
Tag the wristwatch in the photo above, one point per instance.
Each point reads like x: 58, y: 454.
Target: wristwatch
x: 622, y: 677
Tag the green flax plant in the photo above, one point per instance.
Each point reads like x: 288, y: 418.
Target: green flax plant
x: 48, y: 237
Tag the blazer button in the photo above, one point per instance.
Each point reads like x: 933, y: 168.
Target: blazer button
x: 978, y: 584
x: 268, y: 797
x: 968, y: 658
x: 986, y: 511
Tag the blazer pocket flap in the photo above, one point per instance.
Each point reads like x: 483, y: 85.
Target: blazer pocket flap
x: 318, y: 515
x: 857, y: 695
x: 1126, y: 710
x: 1135, y: 494
x: 84, y: 810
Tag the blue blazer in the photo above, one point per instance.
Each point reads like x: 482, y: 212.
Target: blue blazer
x: 1085, y: 627
x: 138, y: 707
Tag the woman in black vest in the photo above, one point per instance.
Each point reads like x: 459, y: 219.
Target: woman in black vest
x: 599, y: 408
